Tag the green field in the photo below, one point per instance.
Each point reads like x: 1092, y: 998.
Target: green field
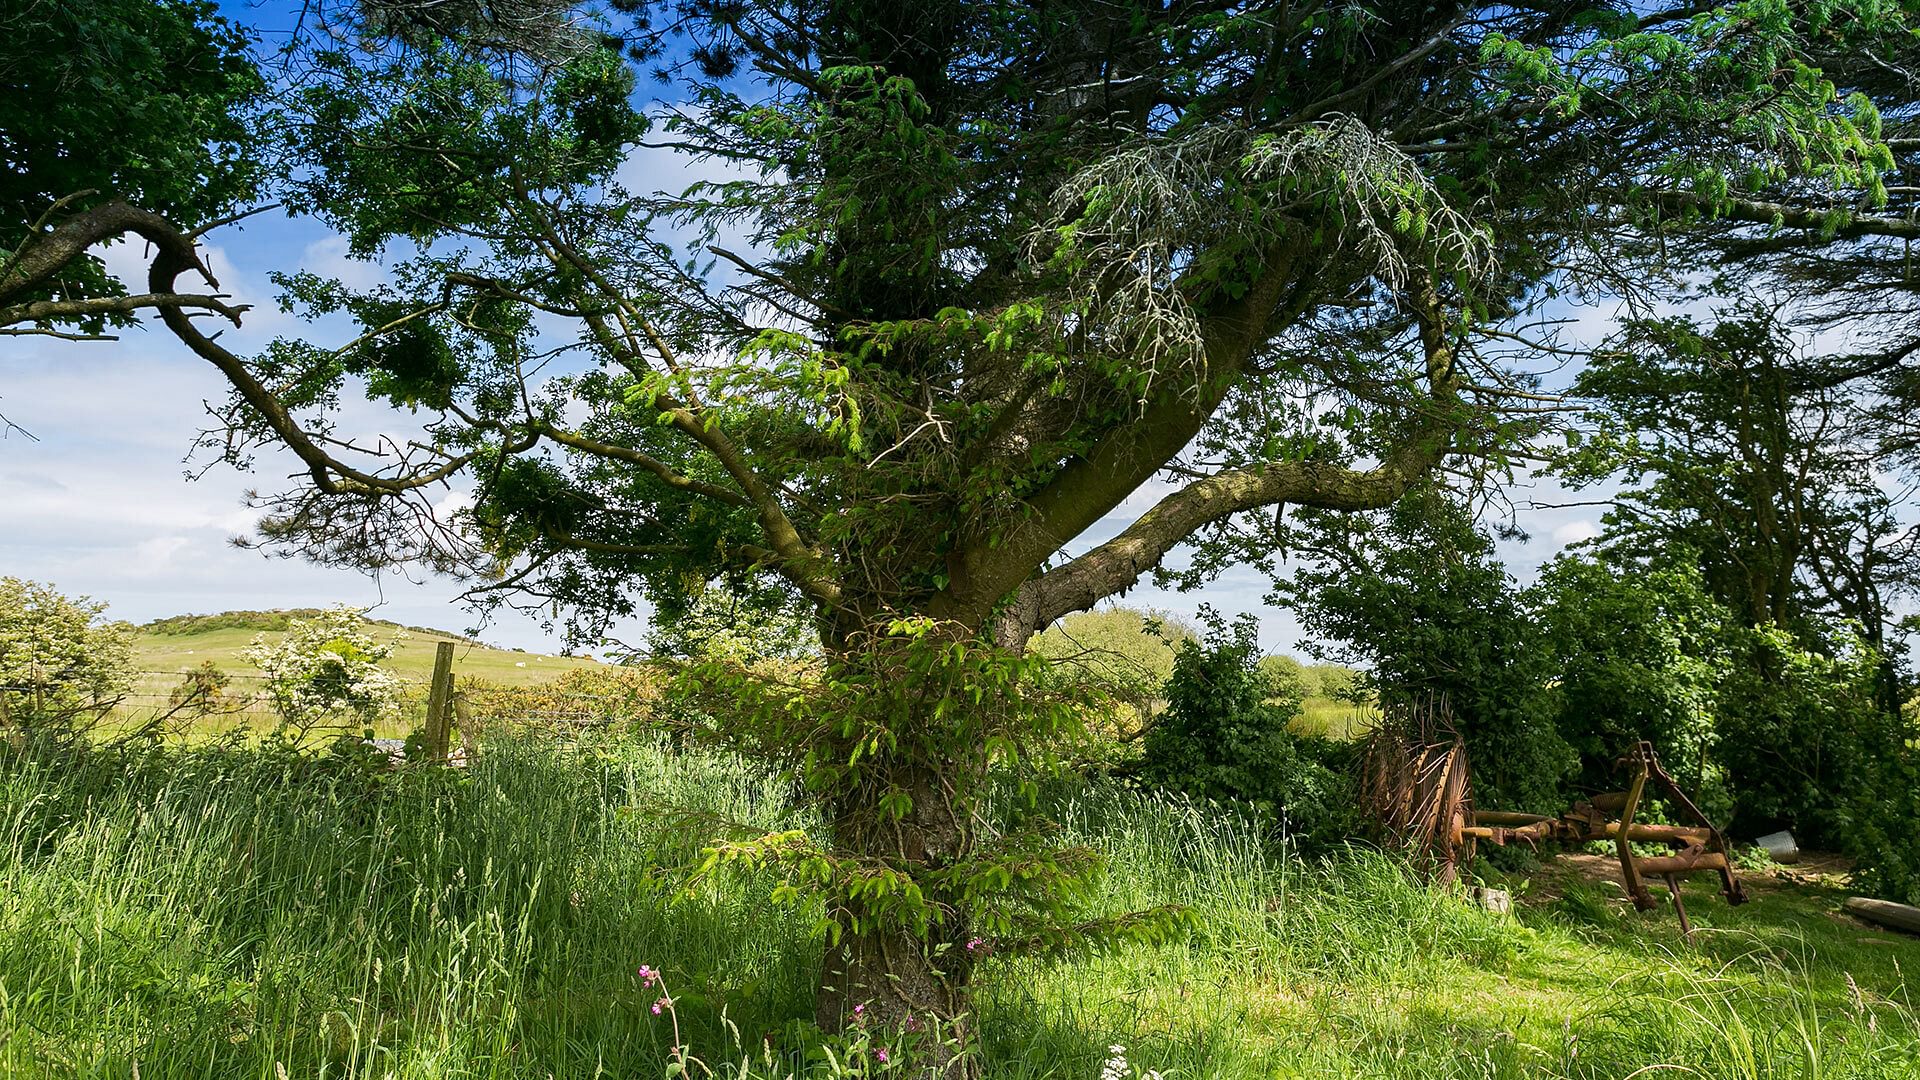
x: 163, y: 651
x: 159, y: 654
x: 1331, y: 719
x: 218, y: 913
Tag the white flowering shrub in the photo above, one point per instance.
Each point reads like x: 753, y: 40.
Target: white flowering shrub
x: 325, y: 672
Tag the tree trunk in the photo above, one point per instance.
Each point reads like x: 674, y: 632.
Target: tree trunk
x: 907, y: 999
x: 883, y: 977
x: 908, y: 993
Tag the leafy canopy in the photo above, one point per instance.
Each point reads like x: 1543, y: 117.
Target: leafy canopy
x: 141, y: 103
x: 1003, y: 263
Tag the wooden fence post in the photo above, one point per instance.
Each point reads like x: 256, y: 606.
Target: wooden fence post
x: 439, y: 702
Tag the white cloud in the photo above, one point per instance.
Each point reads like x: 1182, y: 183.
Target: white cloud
x: 1574, y: 532
x: 328, y: 257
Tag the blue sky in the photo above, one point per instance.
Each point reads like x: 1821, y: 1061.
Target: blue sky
x: 98, y: 502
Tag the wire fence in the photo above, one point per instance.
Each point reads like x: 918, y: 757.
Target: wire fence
x: 196, y: 704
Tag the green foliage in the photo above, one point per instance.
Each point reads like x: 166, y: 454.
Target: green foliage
x: 1737, y: 457
x: 1751, y: 487
x: 737, y: 625
x: 148, y: 101
x: 1640, y: 652
x: 1879, y: 813
x: 867, y: 736
x: 202, y: 691
x: 625, y: 697
x: 1416, y: 594
x: 1798, y: 733
x: 326, y: 672
x: 1007, y: 262
x: 1225, y: 737
x: 1337, y: 682
x: 276, y: 620
x: 1291, y: 681
x: 61, y: 664
x: 1124, y: 653
x: 371, y: 115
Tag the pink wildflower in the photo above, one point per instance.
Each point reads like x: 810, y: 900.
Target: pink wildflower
x: 973, y: 944
x: 658, y: 1005
x: 648, y: 976
x: 913, y: 1024
x: 880, y: 1055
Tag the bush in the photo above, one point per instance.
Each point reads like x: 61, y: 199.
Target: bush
x: 1420, y: 598
x: 1791, y: 733
x: 1124, y: 654
x: 1225, y: 736
x: 1805, y: 742
x: 274, y: 621
x: 202, y: 691
x: 326, y: 672
x: 61, y: 664
x: 1880, y: 818
x: 1640, y: 652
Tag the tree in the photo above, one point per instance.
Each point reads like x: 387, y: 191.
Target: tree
x: 1225, y: 737
x: 741, y: 625
x: 117, y: 118
x: 1416, y: 595
x: 60, y: 662
x: 1747, y: 471
x: 1639, y: 651
x: 1126, y: 653
x: 1742, y: 458
x: 1009, y: 262
x: 325, y: 671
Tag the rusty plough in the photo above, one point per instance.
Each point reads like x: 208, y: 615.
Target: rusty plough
x: 1699, y: 848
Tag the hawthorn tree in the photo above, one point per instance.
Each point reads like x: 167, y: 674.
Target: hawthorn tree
x: 979, y: 272
x: 61, y: 663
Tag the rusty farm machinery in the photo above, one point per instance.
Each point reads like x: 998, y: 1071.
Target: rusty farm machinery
x: 1419, y: 789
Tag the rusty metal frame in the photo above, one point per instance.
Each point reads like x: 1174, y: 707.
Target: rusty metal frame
x: 1698, y: 848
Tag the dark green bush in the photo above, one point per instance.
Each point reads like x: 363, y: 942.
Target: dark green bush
x: 1799, y: 733
x: 1224, y: 736
x: 1881, y: 820
x: 1423, y: 602
x: 1639, y: 652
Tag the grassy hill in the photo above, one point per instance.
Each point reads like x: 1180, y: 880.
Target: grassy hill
x: 166, y: 647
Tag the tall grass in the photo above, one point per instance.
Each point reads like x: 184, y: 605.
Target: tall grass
x: 229, y: 914
x: 214, y: 913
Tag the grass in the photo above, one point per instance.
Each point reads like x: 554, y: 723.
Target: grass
x: 1329, y: 718
x: 160, y: 654
x: 214, y: 912
x: 165, y: 650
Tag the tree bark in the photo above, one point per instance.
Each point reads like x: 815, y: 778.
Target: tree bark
x: 881, y: 976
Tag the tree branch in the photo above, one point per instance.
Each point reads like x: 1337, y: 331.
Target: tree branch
x: 653, y: 465
x: 42, y: 310
x: 330, y: 475
x: 1115, y: 565
x: 983, y: 570
x: 43, y: 254
x: 1760, y: 212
